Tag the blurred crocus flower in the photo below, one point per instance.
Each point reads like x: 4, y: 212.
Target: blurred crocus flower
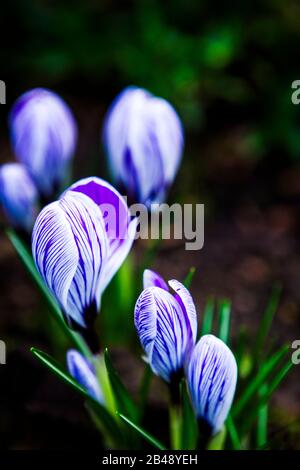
x: 78, y: 247
x: 84, y: 373
x: 44, y: 134
x: 18, y: 196
x: 166, y: 324
x: 212, y: 377
x: 143, y: 139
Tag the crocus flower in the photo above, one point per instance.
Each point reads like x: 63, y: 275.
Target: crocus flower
x: 77, y: 248
x: 84, y: 373
x: 18, y: 196
x: 166, y: 324
x: 143, y: 139
x: 212, y: 376
x: 43, y: 133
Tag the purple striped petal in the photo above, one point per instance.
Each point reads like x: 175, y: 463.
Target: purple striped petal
x: 70, y: 249
x: 143, y: 138
x: 151, y: 278
x: 212, y: 377
x: 83, y: 372
x: 18, y: 196
x: 164, y: 330
x: 44, y: 135
x: 120, y: 229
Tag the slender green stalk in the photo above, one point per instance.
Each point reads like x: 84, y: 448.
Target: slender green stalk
x: 217, y: 442
x: 175, y: 416
x: 104, y: 381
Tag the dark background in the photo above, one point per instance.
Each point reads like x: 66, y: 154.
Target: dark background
x: 227, y: 68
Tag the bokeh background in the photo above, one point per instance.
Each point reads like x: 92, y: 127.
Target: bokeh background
x: 227, y: 68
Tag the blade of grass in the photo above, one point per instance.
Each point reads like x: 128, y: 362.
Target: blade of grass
x: 152, y: 440
x: 208, y: 316
x: 189, y: 429
x: 189, y: 277
x: 124, y: 402
x: 27, y: 260
x: 281, y: 374
x: 266, y: 322
x: 224, y: 319
x: 262, y: 421
x: 233, y: 434
x: 144, y: 390
x: 267, y: 368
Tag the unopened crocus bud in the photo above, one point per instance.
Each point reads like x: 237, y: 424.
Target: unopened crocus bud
x: 143, y: 139
x: 78, y: 247
x: 166, y: 324
x: 212, y: 377
x: 84, y: 373
x: 18, y: 196
x: 44, y: 134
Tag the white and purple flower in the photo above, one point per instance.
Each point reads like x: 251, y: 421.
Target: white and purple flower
x: 44, y: 134
x: 166, y: 324
x: 78, y: 245
x: 84, y: 373
x: 212, y: 377
x: 18, y: 196
x: 143, y: 139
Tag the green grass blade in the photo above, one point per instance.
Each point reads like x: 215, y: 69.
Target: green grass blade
x: 189, y: 277
x: 272, y: 386
x: 152, y: 440
x: 233, y: 434
x: 265, y: 371
x: 27, y: 260
x: 224, y: 319
x: 144, y: 390
x: 124, y: 402
x: 262, y: 421
x: 208, y: 316
x: 266, y: 322
x: 189, y: 431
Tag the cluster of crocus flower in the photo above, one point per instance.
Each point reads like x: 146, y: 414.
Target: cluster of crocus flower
x: 167, y: 327
x: 43, y: 136
x: 142, y: 136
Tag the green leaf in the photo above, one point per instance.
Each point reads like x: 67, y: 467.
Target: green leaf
x: 224, y: 319
x: 263, y: 400
x: 189, y: 277
x: 233, y: 434
x: 266, y: 370
x: 144, y: 390
x: 189, y: 431
x: 152, y: 440
x: 51, y: 364
x: 266, y: 322
x: 124, y: 402
x: 262, y: 420
x: 208, y: 317
x: 27, y: 260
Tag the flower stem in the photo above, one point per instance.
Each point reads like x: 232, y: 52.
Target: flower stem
x: 175, y: 417
x: 103, y: 378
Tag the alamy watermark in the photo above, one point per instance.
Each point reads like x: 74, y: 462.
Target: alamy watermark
x: 2, y: 92
x: 2, y: 352
x: 159, y: 222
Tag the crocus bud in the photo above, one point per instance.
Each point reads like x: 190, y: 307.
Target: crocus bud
x: 212, y: 377
x: 167, y: 326
x: 43, y: 133
x: 84, y: 373
x: 77, y: 249
x: 18, y: 196
x: 143, y: 139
